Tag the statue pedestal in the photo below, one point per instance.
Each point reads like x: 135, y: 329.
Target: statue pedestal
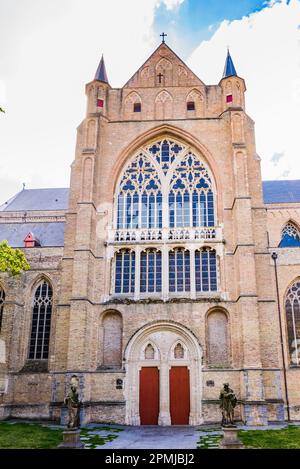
x: 71, y: 440
x: 230, y: 439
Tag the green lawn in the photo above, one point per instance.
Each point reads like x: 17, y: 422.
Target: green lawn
x: 287, y: 438
x: 28, y: 435
x: 37, y: 436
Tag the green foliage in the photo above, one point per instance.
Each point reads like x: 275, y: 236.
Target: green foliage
x: 1, y: 110
x: 12, y: 260
x: 24, y: 435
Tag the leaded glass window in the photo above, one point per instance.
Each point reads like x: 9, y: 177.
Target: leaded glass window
x: 179, y: 271
x: 139, y: 196
x: 125, y: 271
x: 206, y: 270
x: 150, y: 281
x: 2, y: 299
x: 292, y: 310
x: 191, y: 199
x: 289, y: 236
x: 41, y: 322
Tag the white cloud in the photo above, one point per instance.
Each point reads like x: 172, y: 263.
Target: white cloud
x: 171, y: 4
x: 266, y: 51
x: 48, y: 52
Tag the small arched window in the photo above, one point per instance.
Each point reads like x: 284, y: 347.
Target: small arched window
x: 2, y: 299
x: 292, y: 310
x: 125, y: 271
x: 41, y: 322
x: 289, y: 236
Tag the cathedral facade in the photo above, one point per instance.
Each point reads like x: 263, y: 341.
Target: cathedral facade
x: 166, y: 270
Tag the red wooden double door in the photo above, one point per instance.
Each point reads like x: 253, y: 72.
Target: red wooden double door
x: 179, y: 395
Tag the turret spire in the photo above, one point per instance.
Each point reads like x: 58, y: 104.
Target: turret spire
x: 101, y: 74
x: 229, y: 69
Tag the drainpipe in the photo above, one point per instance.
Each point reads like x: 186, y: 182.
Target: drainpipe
x: 275, y: 257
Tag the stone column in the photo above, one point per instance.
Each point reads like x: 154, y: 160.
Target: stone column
x: 193, y: 272
x: 164, y: 417
x: 137, y: 273
x: 165, y: 272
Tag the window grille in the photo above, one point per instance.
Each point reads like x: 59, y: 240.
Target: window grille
x: 125, y: 272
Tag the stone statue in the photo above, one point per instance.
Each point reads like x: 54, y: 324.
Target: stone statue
x: 228, y: 402
x: 73, y: 403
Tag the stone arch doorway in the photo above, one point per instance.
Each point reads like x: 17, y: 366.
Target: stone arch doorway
x: 159, y: 356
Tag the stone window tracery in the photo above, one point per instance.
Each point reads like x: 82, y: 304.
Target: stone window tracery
x: 41, y: 322
x: 164, y: 196
x: 289, y: 236
x: 292, y: 309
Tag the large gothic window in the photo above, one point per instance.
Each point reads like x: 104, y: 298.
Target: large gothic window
x: 2, y: 299
x: 164, y: 199
x: 292, y: 309
x: 289, y: 236
x: 41, y: 322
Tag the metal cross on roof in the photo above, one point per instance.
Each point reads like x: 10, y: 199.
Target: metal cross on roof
x: 163, y: 35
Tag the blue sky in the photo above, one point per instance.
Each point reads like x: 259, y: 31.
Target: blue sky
x: 196, y: 20
x: 50, y: 50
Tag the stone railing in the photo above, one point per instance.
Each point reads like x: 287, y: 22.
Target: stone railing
x: 164, y: 235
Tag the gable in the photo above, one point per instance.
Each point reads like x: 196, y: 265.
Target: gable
x: 163, y: 69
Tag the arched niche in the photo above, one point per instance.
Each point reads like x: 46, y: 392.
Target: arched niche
x: 112, y: 326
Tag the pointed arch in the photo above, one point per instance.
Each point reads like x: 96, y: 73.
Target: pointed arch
x: 91, y: 134
x: 164, y: 105
x: 112, y: 324
x: 138, y: 195
x: 191, y: 194
x: 292, y: 311
x: 290, y: 235
x: 195, y: 97
x: 162, y: 132
x: 131, y: 100
x: 218, y: 337
x: 41, y: 320
x: 164, y: 68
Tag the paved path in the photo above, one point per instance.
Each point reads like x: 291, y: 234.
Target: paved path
x: 155, y: 437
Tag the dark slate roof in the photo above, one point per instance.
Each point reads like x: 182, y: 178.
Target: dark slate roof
x: 101, y: 74
x: 48, y: 234
x: 37, y: 199
x: 229, y: 69
x: 281, y: 191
